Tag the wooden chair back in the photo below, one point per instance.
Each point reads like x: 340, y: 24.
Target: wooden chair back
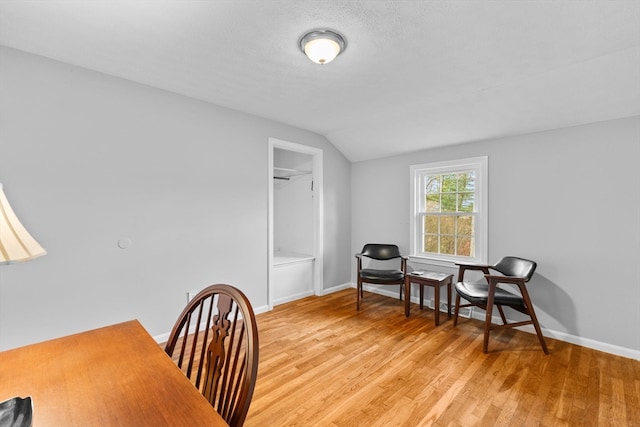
x: 215, y: 343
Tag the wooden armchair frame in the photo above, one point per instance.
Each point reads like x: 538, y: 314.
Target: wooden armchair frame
x: 383, y: 252
x: 487, y: 295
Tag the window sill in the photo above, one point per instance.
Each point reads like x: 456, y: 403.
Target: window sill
x: 432, y: 261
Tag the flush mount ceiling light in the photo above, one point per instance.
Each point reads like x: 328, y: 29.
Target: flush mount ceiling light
x: 322, y: 46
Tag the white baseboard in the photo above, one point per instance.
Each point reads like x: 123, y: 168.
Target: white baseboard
x: 476, y: 314
x: 292, y: 298
x: 338, y: 288
x: 261, y: 309
x: 587, y: 342
x: 162, y: 338
x: 562, y: 336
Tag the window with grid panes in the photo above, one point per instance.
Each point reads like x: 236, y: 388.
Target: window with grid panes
x: 449, y: 221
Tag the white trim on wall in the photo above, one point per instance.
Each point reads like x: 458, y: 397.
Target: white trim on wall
x: 550, y: 333
x: 479, y: 315
x: 318, y: 209
x: 480, y: 166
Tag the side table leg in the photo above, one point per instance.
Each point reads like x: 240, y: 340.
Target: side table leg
x: 436, y: 302
x: 449, y: 297
x: 407, y: 296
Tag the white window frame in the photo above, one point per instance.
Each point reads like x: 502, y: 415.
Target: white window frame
x: 480, y: 166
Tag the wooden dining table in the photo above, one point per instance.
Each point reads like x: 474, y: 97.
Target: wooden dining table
x: 112, y: 376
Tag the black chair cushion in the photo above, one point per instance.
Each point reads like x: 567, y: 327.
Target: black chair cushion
x: 477, y: 293
x: 381, y: 275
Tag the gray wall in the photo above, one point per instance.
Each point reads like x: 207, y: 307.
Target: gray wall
x: 293, y: 205
x: 568, y: 199
x: 87, y: 159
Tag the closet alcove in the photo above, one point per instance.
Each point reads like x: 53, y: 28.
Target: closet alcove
x: 293, y: 226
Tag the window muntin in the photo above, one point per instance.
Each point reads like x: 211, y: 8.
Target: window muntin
x: 448, y: 209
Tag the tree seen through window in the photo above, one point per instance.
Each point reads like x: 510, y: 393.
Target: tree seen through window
x: 449, y: 213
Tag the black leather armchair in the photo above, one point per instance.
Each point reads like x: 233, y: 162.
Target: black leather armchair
x: 380, y: 252
x: 486, y: 293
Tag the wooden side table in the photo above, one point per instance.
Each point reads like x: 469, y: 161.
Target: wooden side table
x: 429, y: 278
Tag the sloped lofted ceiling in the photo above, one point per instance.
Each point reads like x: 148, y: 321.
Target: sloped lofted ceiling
x: 415, y: 74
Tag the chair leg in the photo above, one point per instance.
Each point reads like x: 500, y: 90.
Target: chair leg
x: 539, y: 332
x: 358, y: 295
x: 487, y: 329
x: 502, y: 316
x: 489, y: 310
x: 456, y: 311
x: 534, y: 319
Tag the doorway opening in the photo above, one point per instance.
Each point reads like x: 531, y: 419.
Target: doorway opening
x: 295, y: 238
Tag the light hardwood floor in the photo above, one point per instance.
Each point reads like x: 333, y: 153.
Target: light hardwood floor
x: 322, y: 363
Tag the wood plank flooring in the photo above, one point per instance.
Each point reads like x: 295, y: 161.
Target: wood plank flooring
x: 322, y: 363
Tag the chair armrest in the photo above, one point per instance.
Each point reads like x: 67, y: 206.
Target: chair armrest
x: 359, y: 255
x: 464, y: 267
x: 505, y: 279
x: 473, y: 266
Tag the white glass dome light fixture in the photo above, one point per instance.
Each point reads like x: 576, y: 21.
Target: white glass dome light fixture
x: 322, y: 46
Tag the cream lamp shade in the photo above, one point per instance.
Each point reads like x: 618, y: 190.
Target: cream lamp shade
x: 322, y: 46
x: 16, y: 244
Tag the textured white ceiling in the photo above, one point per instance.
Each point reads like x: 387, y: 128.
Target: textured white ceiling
x: 415, y: 74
